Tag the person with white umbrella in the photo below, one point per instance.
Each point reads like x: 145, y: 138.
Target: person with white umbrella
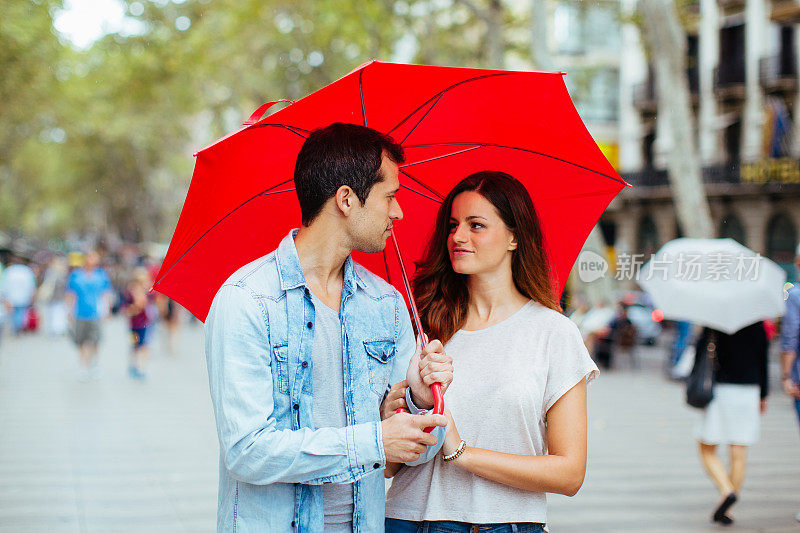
x: 733, y: 416
x: 729, y: 289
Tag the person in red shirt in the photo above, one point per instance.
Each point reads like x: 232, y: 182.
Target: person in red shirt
x: 139, y: 307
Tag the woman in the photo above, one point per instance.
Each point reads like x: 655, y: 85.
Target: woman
x: 518, y: 403
x: 733, y: 416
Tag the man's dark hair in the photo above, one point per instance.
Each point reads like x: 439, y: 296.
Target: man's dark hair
x: 337, y: 155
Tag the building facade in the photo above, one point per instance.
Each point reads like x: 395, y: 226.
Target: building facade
x: 743, y: 58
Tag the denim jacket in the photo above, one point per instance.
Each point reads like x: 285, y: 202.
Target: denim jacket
x: 259, y: 337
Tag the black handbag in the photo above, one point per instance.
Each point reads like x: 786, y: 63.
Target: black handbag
x: 700, y: 384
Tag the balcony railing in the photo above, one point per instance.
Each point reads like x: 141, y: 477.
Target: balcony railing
x: 730, y: 4
x: 651, y: 177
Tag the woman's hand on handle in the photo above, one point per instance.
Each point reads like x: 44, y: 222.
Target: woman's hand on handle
x: 429, y: 365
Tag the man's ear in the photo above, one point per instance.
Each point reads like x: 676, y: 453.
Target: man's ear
x: 345, y: 199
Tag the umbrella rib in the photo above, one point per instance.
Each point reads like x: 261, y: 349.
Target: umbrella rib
x: 361, y: 91
x: 266, y: 192
x: 439, y: 96
x: 286, y: 127
x: 437, y: 200
x: 418, y: 182
x: 492, y: 145
x: 439, y: 156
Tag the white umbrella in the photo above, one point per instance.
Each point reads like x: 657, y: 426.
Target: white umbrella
x: 714, y: 282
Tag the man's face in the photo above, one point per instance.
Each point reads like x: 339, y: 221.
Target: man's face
x: 371, y: 224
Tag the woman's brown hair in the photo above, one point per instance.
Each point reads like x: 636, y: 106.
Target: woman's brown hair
x: 441, y: 293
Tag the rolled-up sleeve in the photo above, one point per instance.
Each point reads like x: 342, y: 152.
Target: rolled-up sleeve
x: 253, y: 449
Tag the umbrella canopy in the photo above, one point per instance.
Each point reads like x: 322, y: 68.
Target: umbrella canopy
x: 451, y: 122
x: 714, y: 282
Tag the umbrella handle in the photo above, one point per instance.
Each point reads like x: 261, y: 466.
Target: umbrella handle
x: 438, y: 403
x: 258, y: 113
x: 436, y: 388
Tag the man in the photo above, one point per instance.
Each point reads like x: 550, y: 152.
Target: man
x: 790, y: 343
x: 17, y: 289
x: 88, y: 296
x: 302, y: 346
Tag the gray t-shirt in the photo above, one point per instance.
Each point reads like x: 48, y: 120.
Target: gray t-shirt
x: 507, y: 376
x: 329, y: 409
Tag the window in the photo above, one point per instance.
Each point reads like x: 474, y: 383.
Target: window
x: 647, y: 242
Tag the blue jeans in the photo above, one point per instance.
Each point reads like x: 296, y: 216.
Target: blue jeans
x: 394, y: 525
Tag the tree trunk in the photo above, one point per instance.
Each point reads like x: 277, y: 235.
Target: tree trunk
x: 495, y: 44
x: 540, y: 53
x: 666, y: 41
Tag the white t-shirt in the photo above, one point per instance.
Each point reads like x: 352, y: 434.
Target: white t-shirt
x: 329, y: 411
x: 506, y: 377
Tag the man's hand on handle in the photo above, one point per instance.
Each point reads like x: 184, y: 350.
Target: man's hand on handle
x: 396, y: 399
x: 403, y: 437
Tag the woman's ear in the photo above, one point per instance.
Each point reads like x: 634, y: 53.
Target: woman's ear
x: 512, y: 245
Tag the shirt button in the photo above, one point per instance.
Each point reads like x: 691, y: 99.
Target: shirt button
x: 310, y: 325
x: 292, y: 523
x: 376, y: 466
x: 296, y: 406
x: 304, y: 364
x: 384, y: 357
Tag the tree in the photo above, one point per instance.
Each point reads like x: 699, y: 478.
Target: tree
x: 666, y: 41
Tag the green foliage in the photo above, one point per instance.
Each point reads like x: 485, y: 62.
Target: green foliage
x: 101, y: 139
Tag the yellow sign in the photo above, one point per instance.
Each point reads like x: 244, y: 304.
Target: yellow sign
x: 783, y: 170
x: 611, y: 151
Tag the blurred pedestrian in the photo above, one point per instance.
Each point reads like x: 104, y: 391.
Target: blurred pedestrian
x: 170, y: 314
x: 619, y: 337
x: 733, y: 416
x: 52, y: 296
x: 17, y: 288
x: 139, y: 306
x: 790, y: 344
x: 89, y: 292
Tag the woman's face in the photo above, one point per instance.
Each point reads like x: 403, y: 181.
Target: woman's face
x: 479, y: 240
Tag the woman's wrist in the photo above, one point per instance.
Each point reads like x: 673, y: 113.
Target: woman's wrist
x: 458, y: 452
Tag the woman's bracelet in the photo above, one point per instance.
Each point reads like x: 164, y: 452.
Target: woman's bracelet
x: 461, y: 447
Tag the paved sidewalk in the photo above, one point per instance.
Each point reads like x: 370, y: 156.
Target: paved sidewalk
x: 108, y: 455
x: 644, y: 474
x: 118, y: 455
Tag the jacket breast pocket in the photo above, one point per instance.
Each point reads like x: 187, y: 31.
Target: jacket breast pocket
x: 280, y: 368
x: 381, y: 357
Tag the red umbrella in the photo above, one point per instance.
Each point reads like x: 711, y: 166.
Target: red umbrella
x: 451, y: 122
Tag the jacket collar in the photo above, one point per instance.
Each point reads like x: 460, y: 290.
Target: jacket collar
x: 291, y: 274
